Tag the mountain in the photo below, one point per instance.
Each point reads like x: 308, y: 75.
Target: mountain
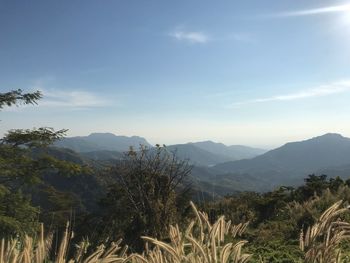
x: 207, y: 179
x: 194, y: 152
x: 208, y: 153
x: 83, y: 190
x: 99, y: 148
x: 196, y: 155
x: 103, y: 155
x: 289, y: 164
x: 342, y: 171
x: 216, y: 164
x: 100, y: 142
x: 213, y: 174
x: 235, y: 152
x: 107, y: 146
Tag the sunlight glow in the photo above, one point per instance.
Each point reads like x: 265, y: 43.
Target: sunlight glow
x: 345, y: 18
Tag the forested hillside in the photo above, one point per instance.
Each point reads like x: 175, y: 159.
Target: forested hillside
x: 144, y: 195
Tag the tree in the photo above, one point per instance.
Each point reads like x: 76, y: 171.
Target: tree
x: 23, y: 162
x: 150, y: 194
x: 16, y: 97
x: 17, y: 215
x: 314, y: 185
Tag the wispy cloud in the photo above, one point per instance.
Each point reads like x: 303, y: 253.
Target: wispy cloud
x: 193, y: 37
x: 313, y: 11
x: 200, y: 37
x: 72, y: 99
x: 65, y: 100
x: 323, y: 90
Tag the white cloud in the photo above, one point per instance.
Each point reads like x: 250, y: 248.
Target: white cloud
x: 199, y: 37
x: 314, y: 11
x: 194, y: 37
x: 65, y: 100
x: 71, y: 99
x: 323, y: 90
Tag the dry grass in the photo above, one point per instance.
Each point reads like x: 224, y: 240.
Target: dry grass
x: 321, y: 241
x: 199, y: 242
x: 26, y: 251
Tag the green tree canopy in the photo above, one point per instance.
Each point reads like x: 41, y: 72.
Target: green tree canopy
x: 16, y: 97
x: 23, y: 162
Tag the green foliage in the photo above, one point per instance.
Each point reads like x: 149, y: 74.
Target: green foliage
x: 199, y: 241
x: 314, y: 185
x: 23, y: 163
x: 16, y: 97
x: 275, y: 251
x: 17, y: 215
x: 41, y: 137
x: 148, y: 193
x: 278, y: 216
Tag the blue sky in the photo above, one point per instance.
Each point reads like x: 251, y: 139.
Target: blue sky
x: 240, y: 72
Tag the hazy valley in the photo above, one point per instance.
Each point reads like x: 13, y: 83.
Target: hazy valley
x: 219, y: 169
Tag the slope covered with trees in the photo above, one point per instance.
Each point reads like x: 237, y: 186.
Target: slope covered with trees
x: 145, y: 195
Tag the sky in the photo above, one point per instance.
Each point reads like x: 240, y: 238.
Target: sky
x: 252, y: 72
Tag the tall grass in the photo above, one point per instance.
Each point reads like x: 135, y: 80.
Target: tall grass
x: 321, y: 241
x: 200, y: 242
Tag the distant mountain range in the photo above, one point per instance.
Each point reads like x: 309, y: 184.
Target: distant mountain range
x: 234, y: 152
x: 220, y: 169
x: 104, y: 146
x: 209, y: 153
x: 101, y: 142
x: 291, y: 163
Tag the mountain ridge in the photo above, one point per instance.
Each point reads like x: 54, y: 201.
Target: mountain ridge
x: 101, y: 142
x: 104, y: 146
x: 286, y: 165
x: 236, y: 152
x: 293, y: 161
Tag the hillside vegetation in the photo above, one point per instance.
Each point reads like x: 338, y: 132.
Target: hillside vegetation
x: 200, y: 241
x: 143, y: 199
